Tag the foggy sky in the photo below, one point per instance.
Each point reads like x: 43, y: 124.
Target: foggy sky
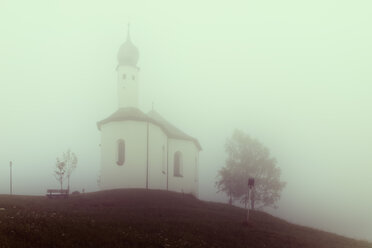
x: 294, y: 75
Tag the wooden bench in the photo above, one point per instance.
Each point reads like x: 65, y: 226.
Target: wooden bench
x: 57, y: 193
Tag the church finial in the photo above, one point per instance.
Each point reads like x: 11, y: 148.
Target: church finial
x: 128, y: 31
x: 128, y: 52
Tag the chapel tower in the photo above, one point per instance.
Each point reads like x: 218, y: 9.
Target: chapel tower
x: 128, y: 74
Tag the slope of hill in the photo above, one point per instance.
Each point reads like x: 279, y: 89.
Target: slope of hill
x: 141, y: 218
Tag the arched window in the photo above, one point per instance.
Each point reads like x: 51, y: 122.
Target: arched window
x: 120, y: 152
x: 177, y: 169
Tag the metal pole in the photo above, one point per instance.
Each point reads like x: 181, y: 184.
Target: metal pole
x: 11, y: 184
x: 248, y: 206
x: 147, y: 157
x: 250, y: 188
x: 167, y: 162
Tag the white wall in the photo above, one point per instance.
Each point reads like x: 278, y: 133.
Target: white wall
x: 157, y: 158
x: 188, y: 183
x: 133, y: 173
x: 127, y: 87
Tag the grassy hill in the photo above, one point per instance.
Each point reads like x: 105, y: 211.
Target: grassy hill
x: 140, y: 218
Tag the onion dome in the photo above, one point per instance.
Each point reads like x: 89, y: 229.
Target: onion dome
x: 128, y: 53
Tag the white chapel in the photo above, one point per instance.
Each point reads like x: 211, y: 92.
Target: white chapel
x: 143, y: 150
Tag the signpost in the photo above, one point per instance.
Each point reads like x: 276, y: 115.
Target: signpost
x: 250, y: 187
x: 11, y: 184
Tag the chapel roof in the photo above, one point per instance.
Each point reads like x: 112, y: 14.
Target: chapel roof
x: 154, y: 117
x: 172, y: 131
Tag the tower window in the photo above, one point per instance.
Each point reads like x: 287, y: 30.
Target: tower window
x: 120, y: 152
x: 177, y: 168
x: 124, y: 76
x: 133, y: 77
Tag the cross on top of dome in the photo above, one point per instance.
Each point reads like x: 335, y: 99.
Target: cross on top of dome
x: 128, y: 53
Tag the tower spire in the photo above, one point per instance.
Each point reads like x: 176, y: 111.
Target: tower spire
x: 128, y: 31
x: 128, y: 52
x: 128, y: 71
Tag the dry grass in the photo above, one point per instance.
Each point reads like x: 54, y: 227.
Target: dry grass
x: 140, y: 218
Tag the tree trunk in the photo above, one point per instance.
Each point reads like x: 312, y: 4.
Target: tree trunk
x: 68, y: 183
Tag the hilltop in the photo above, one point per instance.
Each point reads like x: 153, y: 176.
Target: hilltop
x: 147, y: 218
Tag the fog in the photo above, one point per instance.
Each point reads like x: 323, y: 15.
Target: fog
x: 294, y: 75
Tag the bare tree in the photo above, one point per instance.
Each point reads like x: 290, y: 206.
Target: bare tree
x: 60, y: 171
x: 70, y: 160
